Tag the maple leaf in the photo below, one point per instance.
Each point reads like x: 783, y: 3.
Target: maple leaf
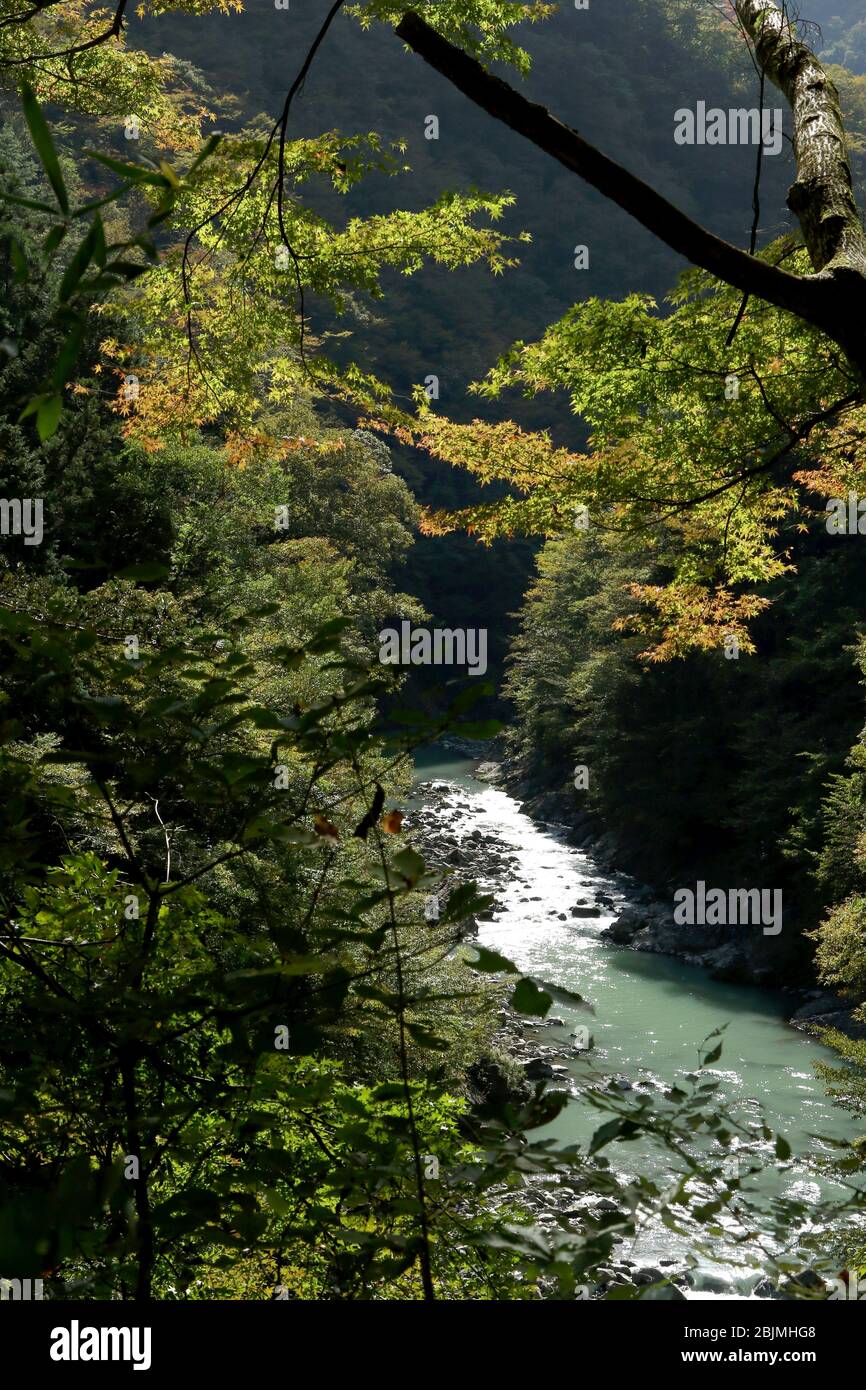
x: 325, y: 828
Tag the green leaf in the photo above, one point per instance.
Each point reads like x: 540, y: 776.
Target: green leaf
x: 204, y: 153
x: 41, y: 137
x: 297, y: 965
x: 53, y: 239
x: 424, y: 1038
x: 281, y: 834
x: 68, y: 355
x: 101, y: 202
x: 78, y: 265
x: 570, y: 995
x: 482, y: 728
x: 469, y: 696
x: 163, y: 211
x: 708, y: 1209
x: 128, y: 270
x: 529, y: 999
x: 48, y: 416
x: 99, y: 251
x: 409, y: 865
x: 19, y: 261
x: 26, y: 202
x: 604, y: 1134
x: 488, y: 960
x: 388, y: 1090
x: 136, y: 173
x: 465, y: 901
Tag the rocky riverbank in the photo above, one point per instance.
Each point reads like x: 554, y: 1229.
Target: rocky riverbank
x: 518, y: 1055
x: 446, y: 826
x: 731, y: 954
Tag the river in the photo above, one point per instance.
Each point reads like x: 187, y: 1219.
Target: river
x: 650, y: 1011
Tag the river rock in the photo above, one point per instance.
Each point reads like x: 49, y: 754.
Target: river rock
x: 537, y: 1069
x: 629, y: 922
x: 728, y: 963
x: 765, y: 1288
x: 807, y: 1279
x: 824, y: 1009
x: 490, y: 1083
x: 605, y: 1204
x: 710, y: 1283
x: 818, y: 1002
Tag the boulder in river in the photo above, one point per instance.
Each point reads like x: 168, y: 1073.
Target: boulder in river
x: 765, y: 1288
x: 728, y: 963
x: 538, y: 1070
x: 493, y: 1082
x: 630, y: 921
x: 826, y: 1010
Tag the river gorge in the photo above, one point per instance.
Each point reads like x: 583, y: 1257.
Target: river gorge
x: 553, y: 910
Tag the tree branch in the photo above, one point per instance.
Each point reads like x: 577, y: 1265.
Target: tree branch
x: 113, y: 31
x: 653, y: 211
x: 828, y: 300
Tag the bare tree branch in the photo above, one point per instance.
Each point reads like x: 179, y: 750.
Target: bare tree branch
x: 833, y: 299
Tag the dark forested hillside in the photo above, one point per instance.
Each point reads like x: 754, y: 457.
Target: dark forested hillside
x: 617, y: 71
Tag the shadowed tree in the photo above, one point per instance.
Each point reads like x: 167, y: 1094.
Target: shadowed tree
x: 833, y: 297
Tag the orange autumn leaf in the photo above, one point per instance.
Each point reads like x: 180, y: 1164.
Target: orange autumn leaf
x: 325, y: 828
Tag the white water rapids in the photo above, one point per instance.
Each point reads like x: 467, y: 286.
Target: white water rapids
x: 650, y: 1011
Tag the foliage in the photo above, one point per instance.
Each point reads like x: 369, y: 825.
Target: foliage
x: 690, y: 449
x: 477, y: 26
x: 840, y: 867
